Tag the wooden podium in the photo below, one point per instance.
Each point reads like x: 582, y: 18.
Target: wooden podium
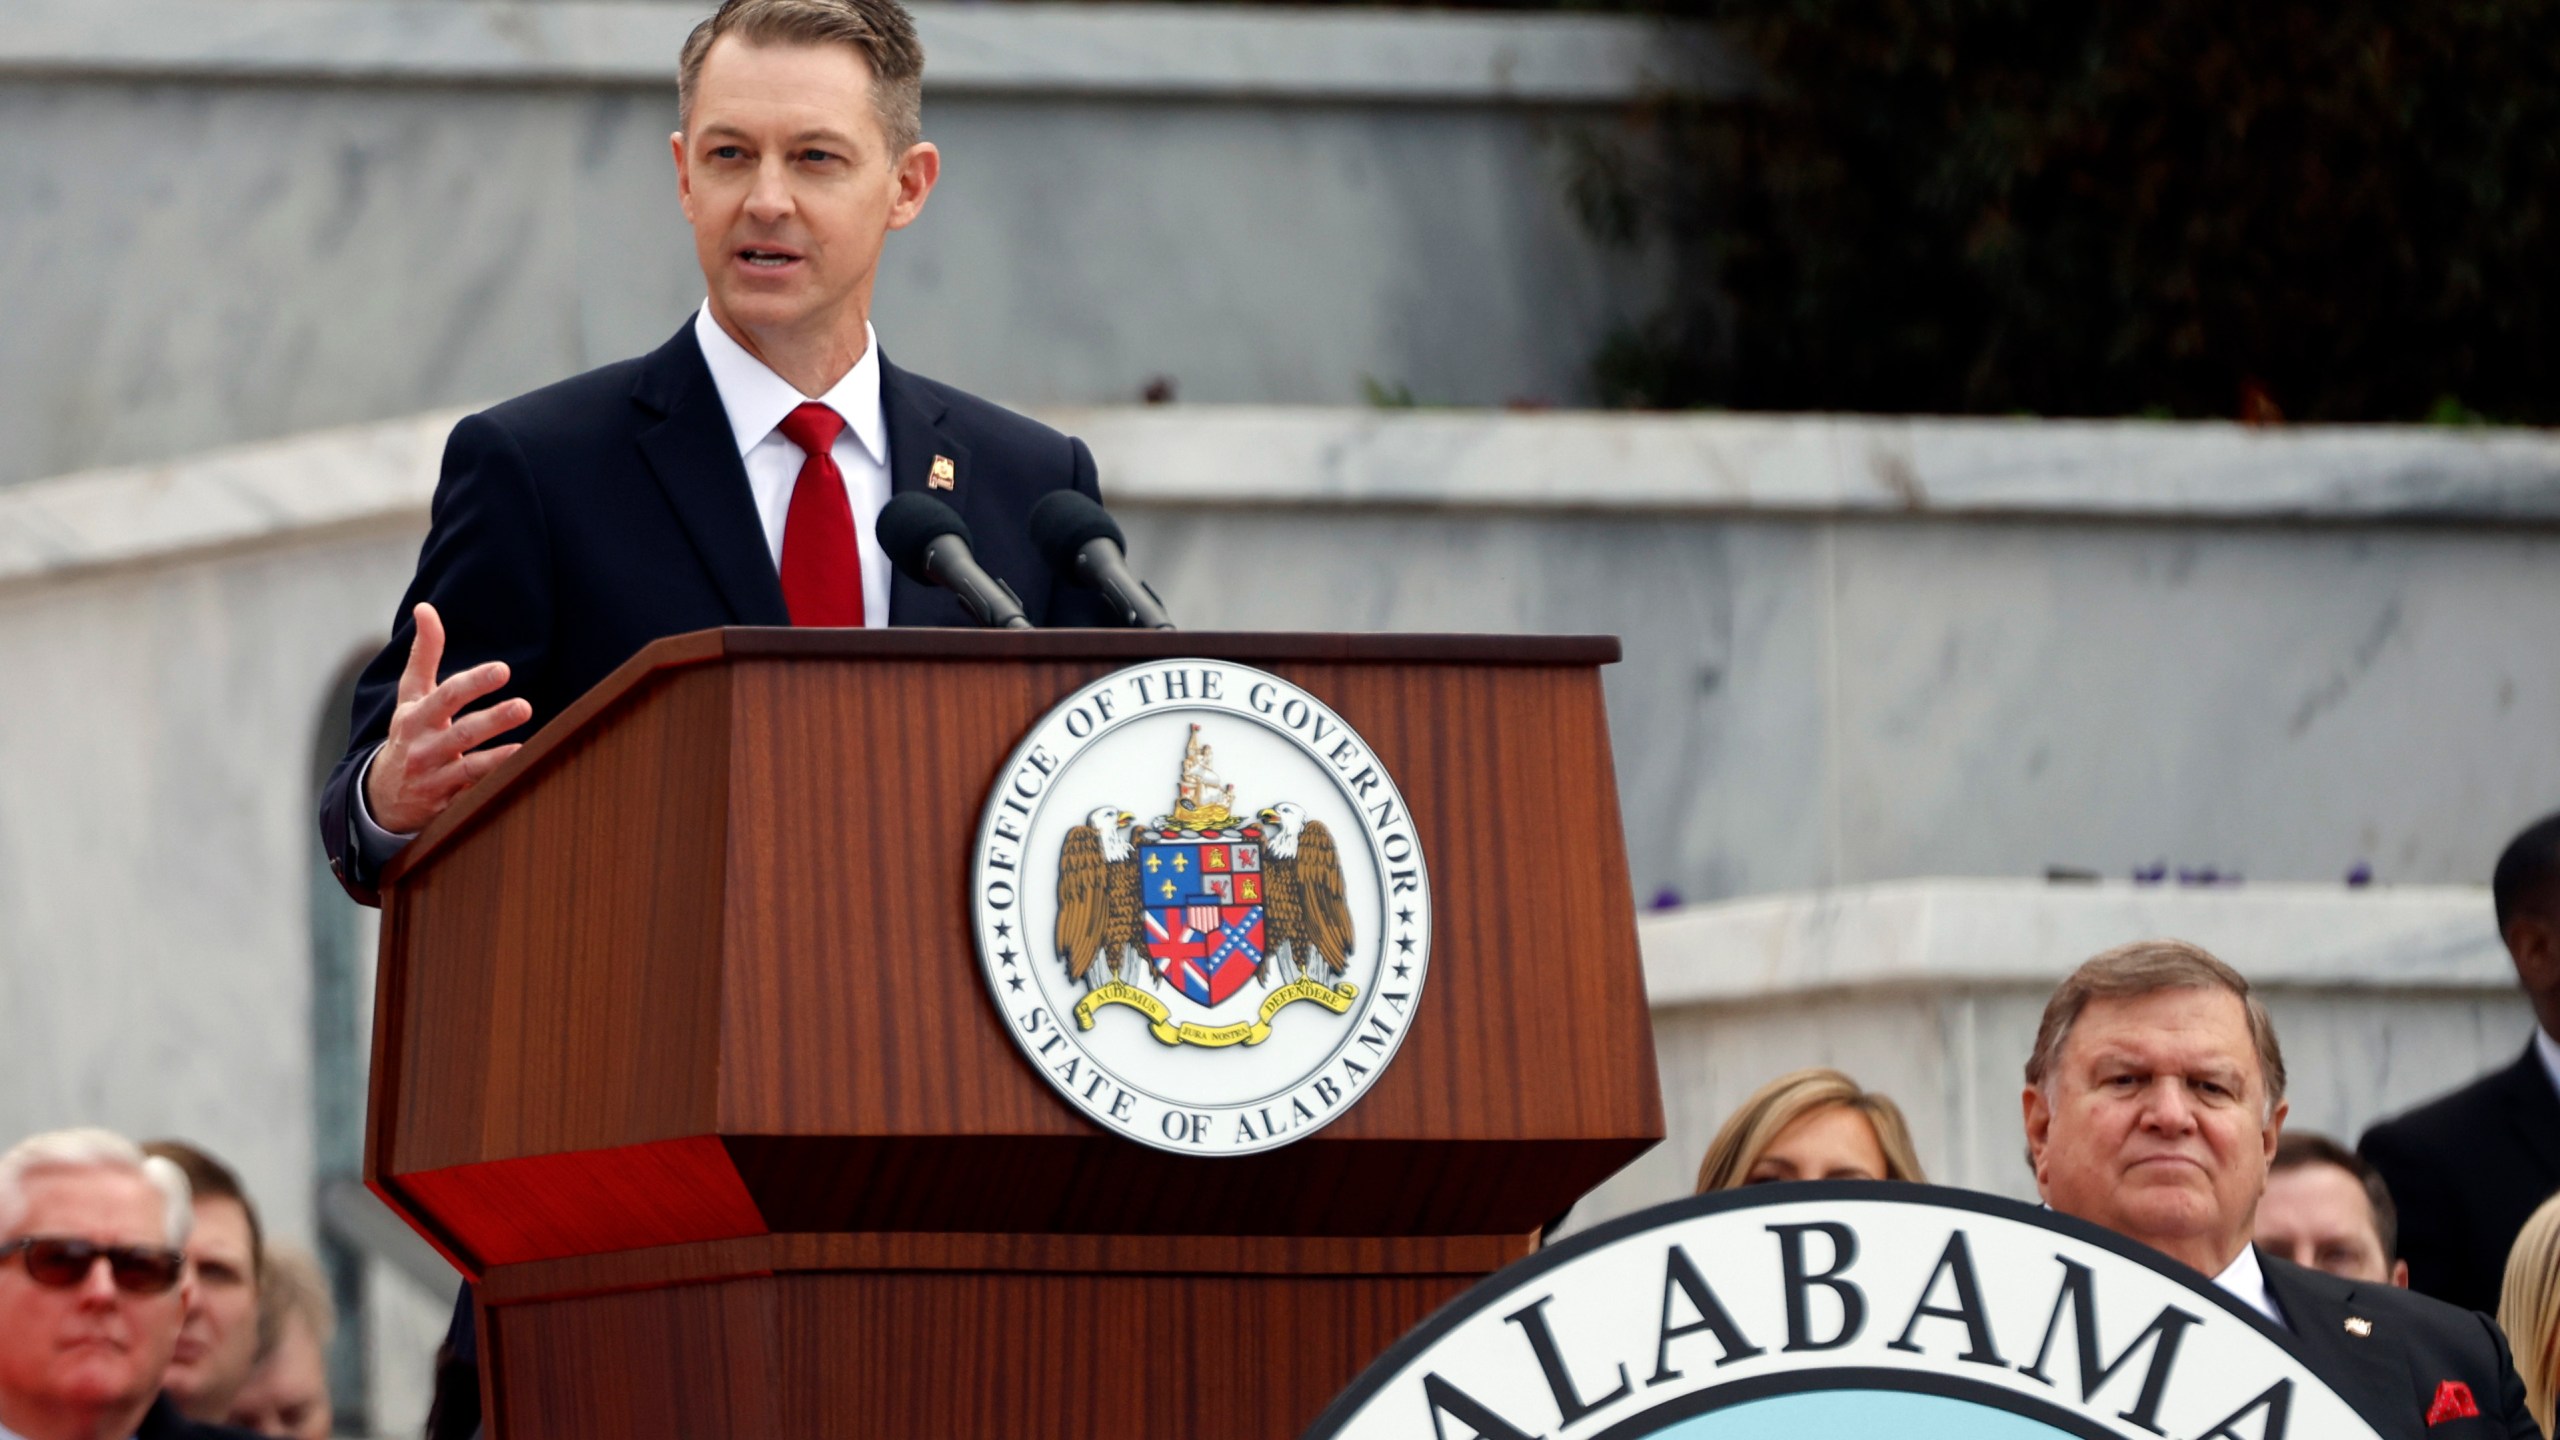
x: 682, y: 1052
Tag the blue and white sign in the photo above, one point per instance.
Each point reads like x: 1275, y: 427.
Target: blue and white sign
x: 1843, y: 1311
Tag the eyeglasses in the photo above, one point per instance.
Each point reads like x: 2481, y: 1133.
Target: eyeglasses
x: 139, y: 1269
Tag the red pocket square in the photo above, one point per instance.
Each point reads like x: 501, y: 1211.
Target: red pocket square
x: 2453, y: 1402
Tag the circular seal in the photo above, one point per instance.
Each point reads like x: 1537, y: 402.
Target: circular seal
x: 1201, y: 907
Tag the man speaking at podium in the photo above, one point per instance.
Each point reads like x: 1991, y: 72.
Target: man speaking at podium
x: 732, y: 476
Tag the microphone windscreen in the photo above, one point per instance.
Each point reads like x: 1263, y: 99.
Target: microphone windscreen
x: 912, y: 521
x: 1064, y: 522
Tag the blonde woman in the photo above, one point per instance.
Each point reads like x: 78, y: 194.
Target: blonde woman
x: 1810, y: 1125
x: 2529, y: 1309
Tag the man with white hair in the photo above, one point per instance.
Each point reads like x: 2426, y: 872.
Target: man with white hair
x: 2154, y: 1102
x: 93, y: 1288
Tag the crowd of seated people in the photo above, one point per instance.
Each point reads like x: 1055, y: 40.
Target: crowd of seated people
x: 133, y: 1285
x: 2154, y: 1106
x: 140, y: 1301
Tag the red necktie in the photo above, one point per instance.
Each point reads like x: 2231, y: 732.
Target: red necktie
x: 821, y: 564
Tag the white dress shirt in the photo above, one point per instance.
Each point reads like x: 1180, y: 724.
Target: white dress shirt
x: 2549, y: 1050
x: 756, y: 400
x: 2246, y: 1281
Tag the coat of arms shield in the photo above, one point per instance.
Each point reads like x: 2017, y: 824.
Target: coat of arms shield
x: 1203, y: 896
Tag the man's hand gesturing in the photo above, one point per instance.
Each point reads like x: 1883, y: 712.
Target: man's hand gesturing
x: 428, y: 758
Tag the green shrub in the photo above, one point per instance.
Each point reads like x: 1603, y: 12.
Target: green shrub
x: 2340, y: 210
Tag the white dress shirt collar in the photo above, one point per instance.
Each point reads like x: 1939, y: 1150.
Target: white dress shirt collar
x: 2245, y: 1280
x: 2549, y: 1050
x: 757, y: 399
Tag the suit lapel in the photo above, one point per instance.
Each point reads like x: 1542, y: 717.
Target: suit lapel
x: 694, y: 456
x: 916, y: 420
x: 2371, y: 1372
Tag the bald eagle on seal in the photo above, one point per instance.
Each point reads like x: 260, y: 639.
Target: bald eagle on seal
x: 1099, y: 916
x: 1302, y: 904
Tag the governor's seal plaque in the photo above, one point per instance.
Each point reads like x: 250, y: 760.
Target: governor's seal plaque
x: 1201, y: 907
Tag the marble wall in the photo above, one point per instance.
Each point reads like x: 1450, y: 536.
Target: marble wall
x: 238, y: 219
x: 1828, y: 703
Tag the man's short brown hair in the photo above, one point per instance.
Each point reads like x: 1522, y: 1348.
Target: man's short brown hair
x: 213, y: 1180
x: 2143, y: 968
x: 293, y: 1288
x: 880, y: 30
x: 2303, y: 1147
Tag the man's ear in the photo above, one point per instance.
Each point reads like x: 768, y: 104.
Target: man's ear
x: 2271, y: 1134
x: 2534, y: 944
x: 2039, y: 1118
x: 2529, y: 943
x: 684, y: 175
x: 2400, y: 1273
x: 919, y: 170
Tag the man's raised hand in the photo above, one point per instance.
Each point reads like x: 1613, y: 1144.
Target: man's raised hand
x: 429, y: 758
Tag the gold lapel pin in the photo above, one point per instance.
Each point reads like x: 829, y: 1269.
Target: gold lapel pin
x: 945, y: 474
x: 2359, y: 1326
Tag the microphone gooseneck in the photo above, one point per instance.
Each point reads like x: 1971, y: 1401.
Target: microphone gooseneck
x: 930, y: 544
x: 1080, y: 540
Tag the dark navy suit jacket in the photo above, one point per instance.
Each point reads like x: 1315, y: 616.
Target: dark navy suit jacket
x: 163, y: 1422
x: 576, y: 524
x: 2465, y: 1170
x: 2397, y: 1365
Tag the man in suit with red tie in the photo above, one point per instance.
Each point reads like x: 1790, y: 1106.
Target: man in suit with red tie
x: 732, y: 476
x: 2154, y: 1104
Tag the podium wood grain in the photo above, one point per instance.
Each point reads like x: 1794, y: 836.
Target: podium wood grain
x: 685, y: 1052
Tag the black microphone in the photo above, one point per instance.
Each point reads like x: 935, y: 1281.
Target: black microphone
x: 1079, y: 539
x: 929, y: 543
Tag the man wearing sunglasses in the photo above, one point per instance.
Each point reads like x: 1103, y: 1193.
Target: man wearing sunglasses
x: 93, y: 1288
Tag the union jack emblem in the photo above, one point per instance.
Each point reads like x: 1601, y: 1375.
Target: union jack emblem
x: 1206, y: 951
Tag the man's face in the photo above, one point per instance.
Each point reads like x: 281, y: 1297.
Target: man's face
x: 220, y: 1338
x: 786, y: 175
x: 2156, y: 1125
x: 91, y: 1346
x: 2318, y: 1215
x: 2533, y: 942
x: 288, y: 1396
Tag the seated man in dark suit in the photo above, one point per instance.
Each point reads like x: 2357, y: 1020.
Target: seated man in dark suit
x: 2154, y: 1099
x: 2469, y: 1167
x: 732, y: 476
